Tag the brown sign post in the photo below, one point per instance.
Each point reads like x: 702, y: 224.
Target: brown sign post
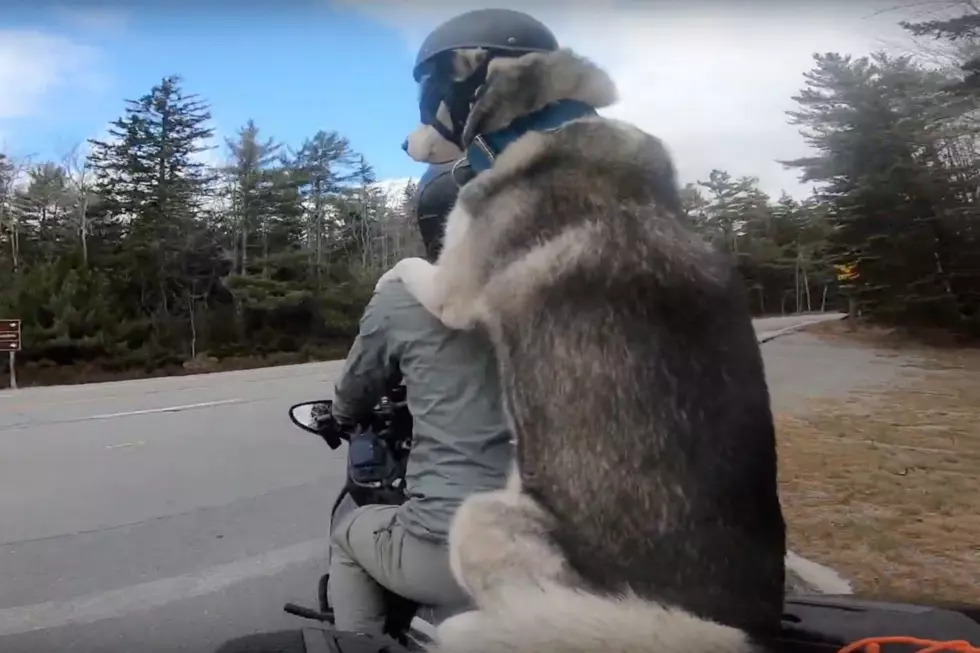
x: 10, y: 342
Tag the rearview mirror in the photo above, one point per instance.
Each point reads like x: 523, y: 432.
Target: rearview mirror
x: 304, y: 415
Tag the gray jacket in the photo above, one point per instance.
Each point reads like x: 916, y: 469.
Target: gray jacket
x: 462, y: 444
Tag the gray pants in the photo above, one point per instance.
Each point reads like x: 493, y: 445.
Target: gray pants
x: 370, y: 550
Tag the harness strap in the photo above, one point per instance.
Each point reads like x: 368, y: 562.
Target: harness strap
x: 485, y: 148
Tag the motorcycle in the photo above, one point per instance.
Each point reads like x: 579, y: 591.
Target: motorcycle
x: 810, y: 624
x: 406, y: 622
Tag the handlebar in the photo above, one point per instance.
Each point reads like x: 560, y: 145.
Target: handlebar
x: 389, y: 420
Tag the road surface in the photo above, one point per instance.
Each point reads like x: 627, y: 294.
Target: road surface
x: 173, y: 514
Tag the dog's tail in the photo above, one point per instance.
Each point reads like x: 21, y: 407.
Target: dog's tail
x: 557, y: 619
x: 808, y: 577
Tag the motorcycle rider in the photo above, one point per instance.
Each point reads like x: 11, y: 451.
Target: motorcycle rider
x: 461, y: 441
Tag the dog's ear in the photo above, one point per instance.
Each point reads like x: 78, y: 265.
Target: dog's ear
x: 466, y: 62
x: 504, y: 65
x: 503, y: 80
x: 519, y: 86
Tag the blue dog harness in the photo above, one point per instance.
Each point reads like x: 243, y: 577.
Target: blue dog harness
x: 485, y: 148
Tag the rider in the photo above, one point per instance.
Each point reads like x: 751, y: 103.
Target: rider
x: 461, y: 443
x: 461, y: 440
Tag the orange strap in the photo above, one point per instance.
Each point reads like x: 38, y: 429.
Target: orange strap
x: 873, y: 645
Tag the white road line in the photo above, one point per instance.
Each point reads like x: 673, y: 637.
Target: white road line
x: 167, y: 409
x: 186, y: 381
x: 94, y: 607
x: 126, y: 444
x: 766, y: 336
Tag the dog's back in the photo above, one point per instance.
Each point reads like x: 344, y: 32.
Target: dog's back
x: 631, y: 372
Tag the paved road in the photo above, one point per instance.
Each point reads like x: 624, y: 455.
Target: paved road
x: 173, y: 514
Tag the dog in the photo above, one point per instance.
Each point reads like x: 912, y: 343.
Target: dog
x: 643, y: 513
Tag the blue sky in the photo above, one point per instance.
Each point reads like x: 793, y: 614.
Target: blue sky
x: 712, y: 80
x: 294, y: 72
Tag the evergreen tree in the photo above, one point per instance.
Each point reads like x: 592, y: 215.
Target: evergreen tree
x: 153, y: 185
x: 9, y: 215
x: 962, y: 31
x: 325, y: 162
x: 876, y: 123
x: 730, y: 203
x: 149, y: 172
x: 253, y: 191
x: 44, y: 209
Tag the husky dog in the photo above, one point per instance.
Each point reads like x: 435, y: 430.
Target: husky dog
x: 643, y: 514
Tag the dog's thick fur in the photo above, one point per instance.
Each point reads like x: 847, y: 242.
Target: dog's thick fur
x: 644, y: 515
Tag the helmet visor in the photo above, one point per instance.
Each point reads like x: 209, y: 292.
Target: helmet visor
x: 432, y: 91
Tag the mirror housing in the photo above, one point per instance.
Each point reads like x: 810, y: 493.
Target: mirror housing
x: 302, y: 415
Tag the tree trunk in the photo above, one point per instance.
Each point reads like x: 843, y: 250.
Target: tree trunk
x: 806, y: 287
x: 193, y: 319
x: 796, y: 281
x: 244, y: 244
x: 265, y: 248
x: 15, y: 242
x: 83, y: 228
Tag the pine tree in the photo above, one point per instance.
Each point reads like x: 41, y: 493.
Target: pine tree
x: 963, y: 31
x: 325, y: 162
x: 286, y: 229
x: 153, y: 185
x: 730, y: 203
x: 45, y: 211
x: 876, y: 125
x: 253, y: 191
x: 9, y: 215
x: 149, y: 173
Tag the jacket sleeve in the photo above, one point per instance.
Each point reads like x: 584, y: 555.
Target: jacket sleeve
x: 371, y: 364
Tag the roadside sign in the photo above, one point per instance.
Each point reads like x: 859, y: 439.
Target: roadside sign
x: 10, y: 335
x: 847, y: 272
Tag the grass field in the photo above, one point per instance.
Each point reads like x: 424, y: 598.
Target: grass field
x: 884, y: 486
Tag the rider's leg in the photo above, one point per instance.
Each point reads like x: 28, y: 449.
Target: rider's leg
x: 408, y: 566
x: 356, y: 599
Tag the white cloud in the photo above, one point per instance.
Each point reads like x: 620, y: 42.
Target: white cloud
x: 713, y: 81
x: 35, y: 64
x: 93, y: 19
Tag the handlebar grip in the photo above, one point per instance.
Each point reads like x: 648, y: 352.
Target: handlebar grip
x: 332, y: 439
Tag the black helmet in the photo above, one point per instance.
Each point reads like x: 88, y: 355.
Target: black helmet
x: 434, y: 198
x: 503, y: 30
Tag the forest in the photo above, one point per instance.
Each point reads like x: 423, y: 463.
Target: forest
x: 133, y: 257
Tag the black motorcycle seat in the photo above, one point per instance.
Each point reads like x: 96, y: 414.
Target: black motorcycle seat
x: 436, y: 614
x: 812, y: 624
x: 823, y: 624
x: 310, y: 640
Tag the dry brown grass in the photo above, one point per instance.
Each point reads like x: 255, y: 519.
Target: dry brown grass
x: 885, y: 486
x: 893, y: 339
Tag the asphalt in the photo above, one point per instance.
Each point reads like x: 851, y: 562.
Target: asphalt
x: 173, y: 514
